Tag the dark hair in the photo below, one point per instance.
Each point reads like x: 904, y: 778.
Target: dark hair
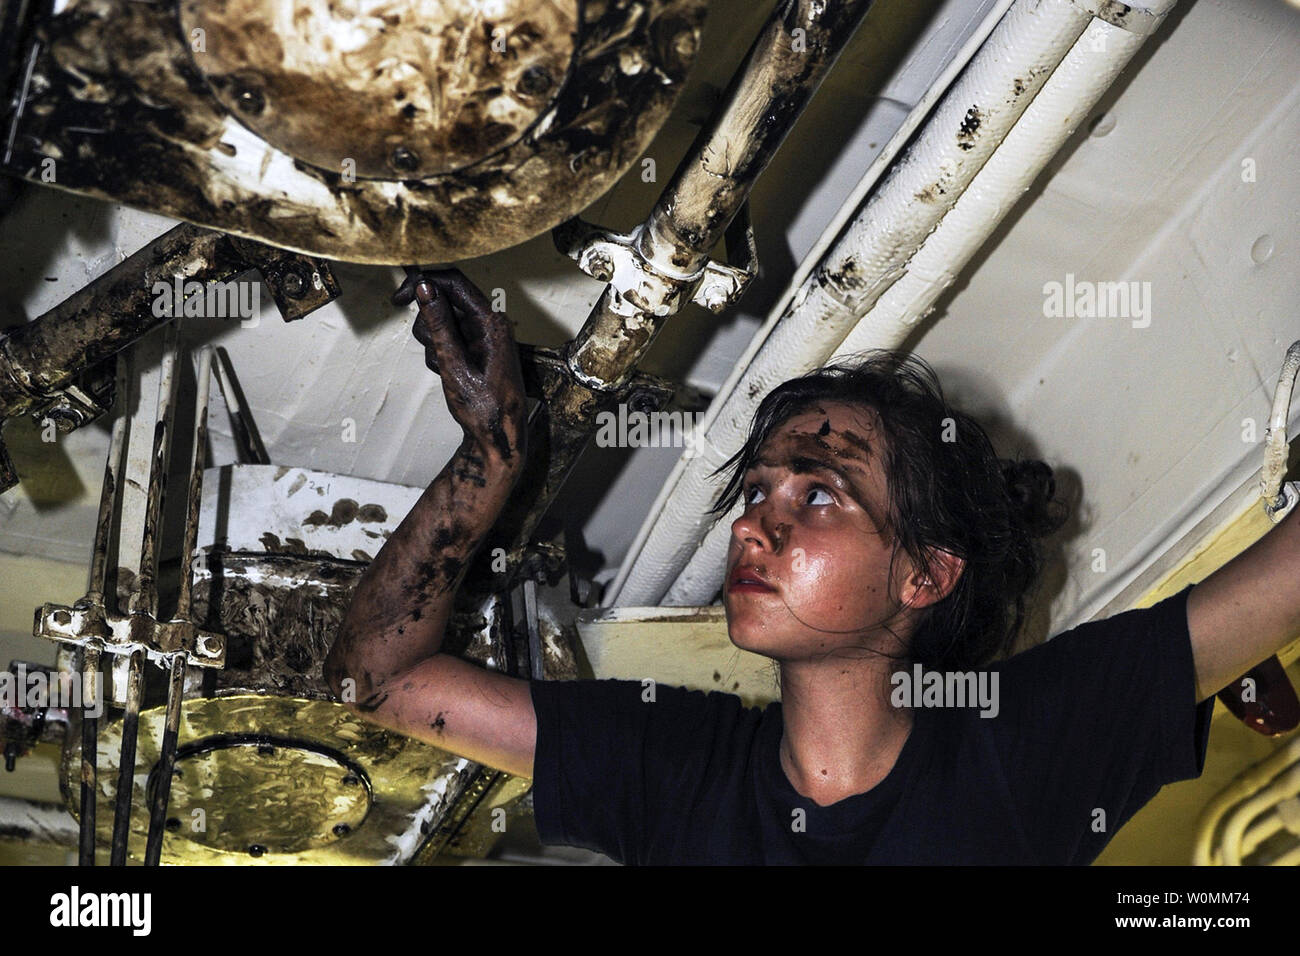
x: 947, y: 490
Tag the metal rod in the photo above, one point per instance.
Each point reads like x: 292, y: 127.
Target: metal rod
x: 108, y: 494
x: 126, y: 765
x: 145, y: 599
x: 89, y: 657
x: 768, y: 93
x: 534, y: 636
x: 195, y: 493
x: 166, y: 763
x: 241, y: 419
x: 38, y: 358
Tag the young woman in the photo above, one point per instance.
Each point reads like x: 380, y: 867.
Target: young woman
x: 883, y: 559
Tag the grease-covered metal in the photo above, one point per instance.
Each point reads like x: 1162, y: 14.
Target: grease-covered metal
x: 46, y: 364
x: 780, y: 73
x: 402, y: 89
x: 179, y: 149
x: 116, y: 309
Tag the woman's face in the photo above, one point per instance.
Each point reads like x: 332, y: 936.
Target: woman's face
x: 813, y: 531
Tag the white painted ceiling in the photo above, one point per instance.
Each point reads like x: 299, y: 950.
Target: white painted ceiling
x: 1145, y: 425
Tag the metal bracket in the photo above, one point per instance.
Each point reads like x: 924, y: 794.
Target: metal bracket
x: 655, y: 287
x: 80, y: 402
x: 1280, y: 507
x: 298, y: 283
x: 544, y: 370
x: 90, y: 622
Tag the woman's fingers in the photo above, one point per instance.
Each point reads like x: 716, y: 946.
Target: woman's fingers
x: 405, y: 293
x: 485, y: 331
x: 466, y: 342
x: 463, y: 294
x: 443, y: 337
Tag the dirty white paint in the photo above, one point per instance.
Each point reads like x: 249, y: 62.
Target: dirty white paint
x: 407, y: 842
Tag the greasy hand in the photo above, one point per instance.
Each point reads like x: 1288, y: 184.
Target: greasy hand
x: 473, y: 350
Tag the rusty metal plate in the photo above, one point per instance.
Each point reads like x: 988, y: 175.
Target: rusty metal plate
x: 114, y: 96
x: 399, y: 88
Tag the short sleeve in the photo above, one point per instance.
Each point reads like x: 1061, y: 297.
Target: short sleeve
x: 619, y: 766
x: 1096, y: 720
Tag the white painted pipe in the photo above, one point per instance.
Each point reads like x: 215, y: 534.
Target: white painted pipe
x: 1286, y: 785
x: 1243, y: 786
x: 970, y: 122
x: 1264, y: 827
x: 28, y: 821
x: 1083, y: 76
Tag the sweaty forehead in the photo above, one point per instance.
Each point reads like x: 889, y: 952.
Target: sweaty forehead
x: 849, y: 433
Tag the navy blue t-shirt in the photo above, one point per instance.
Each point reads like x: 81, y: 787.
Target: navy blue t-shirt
x: 1090, y: 725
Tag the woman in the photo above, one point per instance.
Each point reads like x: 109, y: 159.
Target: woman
x: 883, y: 559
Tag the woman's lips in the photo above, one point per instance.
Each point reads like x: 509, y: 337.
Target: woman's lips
x: 745, y: 580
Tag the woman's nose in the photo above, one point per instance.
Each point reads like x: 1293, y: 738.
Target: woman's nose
x: 754, y: 525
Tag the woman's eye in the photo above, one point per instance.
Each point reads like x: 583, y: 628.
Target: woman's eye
x: 824, y: 499
x: 753, y: 495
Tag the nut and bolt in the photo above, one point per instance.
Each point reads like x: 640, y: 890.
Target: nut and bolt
x: 601, y: 268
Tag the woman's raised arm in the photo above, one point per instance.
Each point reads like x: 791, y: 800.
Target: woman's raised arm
x: 386, y: 662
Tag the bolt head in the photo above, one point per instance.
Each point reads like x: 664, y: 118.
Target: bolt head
x: 250, y: 101
x: 404, y: 160
x: 536, y: 81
